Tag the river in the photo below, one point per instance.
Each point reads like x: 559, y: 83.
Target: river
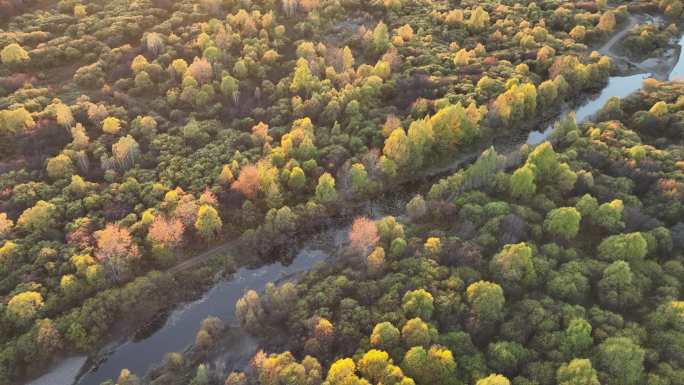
x: 179, y: 328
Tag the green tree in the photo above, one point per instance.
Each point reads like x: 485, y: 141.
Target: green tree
x: 622, y: 359
x: 627, y: 247
x: 545, y: 161
x: 380, y: 39
x: 297, y: 179
x: 201, y: 376
x: 416, y: 333
x: 358, y: 178
x: 522, y: 183
x: 385, y: 336
x: 303, y: 79
x: 577, y: 372
x: 230, y: 87
x: 506, y: 356
x: 39, y: 218
x: 609, y: 215
x: 486, y: 301
x: 325, y: 190
x: 563, y: 222
x: 576, y: 339
x: 208, y: 223
x: 617, y: 288
x: 587, y: 206
x: 513, y: 266
x: 418, y: 303
x: 59, y: 167
x: 434, y: 366
x: 479, y: 19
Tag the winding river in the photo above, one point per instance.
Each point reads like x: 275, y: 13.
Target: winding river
x: 180, y: 327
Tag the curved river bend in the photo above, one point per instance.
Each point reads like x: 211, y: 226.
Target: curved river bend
x: 182, y: 324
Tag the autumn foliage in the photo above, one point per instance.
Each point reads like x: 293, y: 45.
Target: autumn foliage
x: 248, y: 182
x: 363, y: 235
x: 115, y: 242
x: 166, y: 232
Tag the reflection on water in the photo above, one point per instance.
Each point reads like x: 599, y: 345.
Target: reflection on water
x: 62, y: 374
x: 678, y: 70
x: 619, y: 86
x: 181, y: 326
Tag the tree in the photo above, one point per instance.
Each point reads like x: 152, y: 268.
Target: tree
x: 617, y: 288
x: 15, y: 121
x: 577, y: 372
x: 545, y: 161
x: 587, y: 206
x: 303, y: 79
x: 576, y: 339
x: 48, y: 337
x: 126, y: 151
x: 385, y: 336
x: 59, y: 167
x: 435, y: 366
x: 522, y: 183
x: 208, y: 223
x: 116, y: 249
x: 622, y: 359
x: 111, y: 125
x: 166, y: 232
x: 201, y: 70
x: 138, y: 64
x: 415, y: 333
x: 416, y: 208
x: 249, y: 311
x: 563, y: 222
x: 607, y: 22
x: 14, y: 54
x: 397, y: 148
x: 340, y: 371
x: 609, y: 215
x: 325, y: 190
x: 201, y: 376
x: 418, y: 303
x: 486, y: 301
x: 375, y: 261
x: 358, y: 178
x: 6, y: 226
x: 297, y: 179
x: 39, y: 218
x: 380, y: 39
x: 494, y: 379
x: 513, y: 266
x: 248, y: 182
x: 24, y: 306
x: 506, y: 356
x: 628, y: 247
x: 373, y: 365
x: 479, y: 19
x: 230, y: 87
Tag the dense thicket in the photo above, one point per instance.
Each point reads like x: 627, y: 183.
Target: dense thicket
x: 578, y: 281
x: 134, y: 133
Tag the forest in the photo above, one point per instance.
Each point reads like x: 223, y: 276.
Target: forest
x: 153, y: 149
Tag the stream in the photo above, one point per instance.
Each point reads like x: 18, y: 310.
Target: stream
x: 180, y: 327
